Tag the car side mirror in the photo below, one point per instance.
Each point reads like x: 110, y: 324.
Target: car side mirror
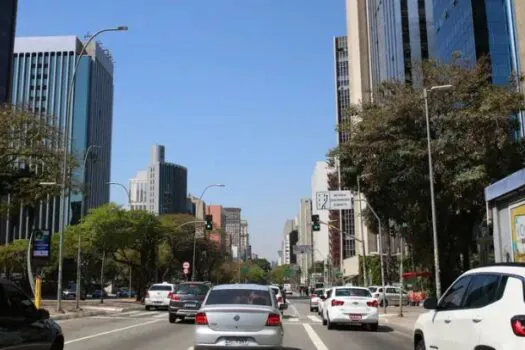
x: 430, y: 304
x: 283, y: 306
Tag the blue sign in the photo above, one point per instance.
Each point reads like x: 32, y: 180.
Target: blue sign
x: 41, y: 244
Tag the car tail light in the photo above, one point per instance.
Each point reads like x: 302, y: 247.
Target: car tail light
x: 170, y: 294
x: 273, y: 320
x: 201, y: 319
x: 280, y: 299
x: 337, y: 302
x: 518, y: 325
x: 174, y: 297
x: 372, y: 303
x: 313, y: 296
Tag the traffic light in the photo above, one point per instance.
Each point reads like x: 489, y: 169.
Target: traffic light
x: 316, y: 223
x: 209, y: 222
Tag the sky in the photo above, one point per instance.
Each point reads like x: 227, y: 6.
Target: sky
x: 241, y: 92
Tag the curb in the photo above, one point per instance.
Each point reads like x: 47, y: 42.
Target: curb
x: 82, y: 314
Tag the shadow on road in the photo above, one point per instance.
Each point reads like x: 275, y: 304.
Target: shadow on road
x: 381, y: 329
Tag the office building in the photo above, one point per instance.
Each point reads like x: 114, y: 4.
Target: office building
x: 7, y: 39
x: 233, y: 229
x: 42, y: 68
x: 290, y: 238
x: 320, y: 238
x: 305, y: 250
x: 163, y: 184
x: 244, y: 241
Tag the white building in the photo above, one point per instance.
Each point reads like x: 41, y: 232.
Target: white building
x: 305, y: 257
x: 138, y: 191
x: 321, y: 249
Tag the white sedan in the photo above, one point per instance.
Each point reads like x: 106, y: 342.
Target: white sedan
x: 350, y: 306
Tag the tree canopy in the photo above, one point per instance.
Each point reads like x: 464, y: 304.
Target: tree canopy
x: 473, y: 141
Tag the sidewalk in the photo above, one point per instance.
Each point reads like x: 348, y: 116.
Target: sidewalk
x: 404, y: 324
x: 89, y: 308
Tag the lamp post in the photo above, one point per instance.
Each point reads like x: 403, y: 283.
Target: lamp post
x: 67, y: 136
x: 195, y: 233
x: 82, y: 204
x: 365, y: 277
x: 431, y: 182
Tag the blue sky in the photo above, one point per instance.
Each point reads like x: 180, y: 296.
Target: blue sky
x: 241, y: 92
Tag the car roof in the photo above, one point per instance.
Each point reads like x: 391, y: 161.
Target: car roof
x: 162, y: 284
x: 241, y: 287
x: 509, y: 268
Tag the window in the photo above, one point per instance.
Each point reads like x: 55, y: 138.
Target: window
x: 352, y: 292
x: 454, y: 295
x: 484, y: 290
x: 192, y: 289
x: 18, y: 304
x: 392, y: 291
x: 239, y: 297
x: 161, y: 287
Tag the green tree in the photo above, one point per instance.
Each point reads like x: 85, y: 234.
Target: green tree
x: 13, y: 257
x: 473, y: 145
x: 264, y: 264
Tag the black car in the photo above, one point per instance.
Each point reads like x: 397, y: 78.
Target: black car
x: 22, y: 325
x: 187, y: 300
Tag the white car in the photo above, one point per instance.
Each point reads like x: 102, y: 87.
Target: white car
x: 483, y: 309
x: 350, y: 306
x: 159, y: 295
x: 320, y: 305
x: 278, y: 296
x: 315, y: 299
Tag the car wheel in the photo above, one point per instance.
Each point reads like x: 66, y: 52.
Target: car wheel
x: 311, y: 309
x: 324, y: 320
x: 329, y: 324
x: 172, y: 318
x: 58, y: 344
x: 420, y: 344
x: 148, y: 307
x: 374, y: 327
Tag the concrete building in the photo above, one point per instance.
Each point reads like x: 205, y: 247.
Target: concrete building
x: 305, y: 257
x: 138, y: 191
x: 7, y: 39
x: 166, y: 185
x: 244, y: 241
x: 321, y: 247
x: 42, y: 67
x: 233, y: 229
x: 290, y: 238
x: 219, y: 223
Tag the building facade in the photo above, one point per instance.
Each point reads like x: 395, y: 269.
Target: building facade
x: 244, y: 241
x: 7, y: 39
x: 305, y: 256
x: 165, y: 187
x: 233, y: 229
x: 321, y: 251
x: 42, y: 69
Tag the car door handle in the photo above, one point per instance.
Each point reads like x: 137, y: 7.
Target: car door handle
x: 477, y: 320
x: 447, y: 321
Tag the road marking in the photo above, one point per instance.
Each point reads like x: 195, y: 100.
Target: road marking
x: 145, y: 313
x: 129, y: 313
x: 318, y: 343
x: 109, y: 332
x: 403, y: 334
x: 293, y: 319
x: 161, y: 315
x: 111, y: 317
x: 294, y: 309
x: 314, y: 318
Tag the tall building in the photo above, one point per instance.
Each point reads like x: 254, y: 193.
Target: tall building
x: 7, y: 39
x: 320, y: 238
x: 476, y: 28
x: 290, y: 238
x: 42, y: 68
x: 244, y: 241
x: 165, y: 187
x: 219, y: 223
x: 305, y: 258
x: 233, y: 229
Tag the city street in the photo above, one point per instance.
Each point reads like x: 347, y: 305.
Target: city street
x: 151, y: 330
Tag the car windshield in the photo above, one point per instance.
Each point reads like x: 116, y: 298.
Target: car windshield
x: 239, y: 297
x: 192, y: 289
x: 352, y: 292
x: 160, y: 287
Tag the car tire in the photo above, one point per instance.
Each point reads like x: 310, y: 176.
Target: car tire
x: 58, y: 344
x: 329, y: 324
x: 311, y: 309
x: 324, y: 320
x: 172, y: 318
x: 374, y: 327
x: 420, y: 344
x: 148, y: 307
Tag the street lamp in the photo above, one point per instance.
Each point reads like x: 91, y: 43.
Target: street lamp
x: 195, y: 233
x: 67, y: 137
x: 431, y: 181
x: 82, y: 204
x: 124, y: 188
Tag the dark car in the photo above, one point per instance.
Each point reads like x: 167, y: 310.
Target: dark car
x: 187, y: 300
x: 22, y: 325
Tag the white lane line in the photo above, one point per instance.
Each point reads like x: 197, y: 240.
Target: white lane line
x: 161, y: 315
x: 109, y: 332
x: 314, y: 318
x: 190, y: 348
x: 293, y: 320
x: 294, y: 310
x: 318, y: 343
x: 128, y: 313
x: 111, y: 317
x: 145, y: 313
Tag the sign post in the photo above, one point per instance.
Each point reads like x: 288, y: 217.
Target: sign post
x: 41, y: 244
x: 38, y: 292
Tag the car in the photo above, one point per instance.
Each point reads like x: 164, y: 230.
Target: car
x: 391, y: 295
x: 351, y: 306
x: 320, y: 303
x: 315, y: 299
x: 279, y: 297
x: 239, y: 315
x: 186, y: 300
x: 158, y: 296
x: 22, y: 325
x: 483, y: 308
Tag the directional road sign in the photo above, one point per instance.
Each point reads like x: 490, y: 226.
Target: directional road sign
x: 334, y: 200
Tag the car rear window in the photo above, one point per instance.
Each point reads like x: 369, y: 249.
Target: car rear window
x: 192, y: 288
x: 160, y: 287
x: 352, y: 292
x: 239, y: 297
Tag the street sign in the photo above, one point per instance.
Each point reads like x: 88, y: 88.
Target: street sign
x: 185, y: 271
x: 244, y: 269
x: 41, y: 244
x: 302, y: 249
x: 186, y: 265
x: 334, y: 200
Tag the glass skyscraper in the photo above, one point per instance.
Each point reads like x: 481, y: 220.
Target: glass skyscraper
x: 7, y: 37
x: 42, y: 70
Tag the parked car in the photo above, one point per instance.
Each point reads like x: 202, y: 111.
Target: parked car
x: 239, y: 315
x: 71, y: 293
x: 186, y: 300
x: 350, y: 306
x: 483, y: 309
x: 391, y: 295
x: 22, y: 325
x: 126, y: 293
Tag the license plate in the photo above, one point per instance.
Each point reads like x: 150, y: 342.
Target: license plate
x: 190, y: 305
x: 236, y: 342
x: 157, y: 302
x: 355, y: 317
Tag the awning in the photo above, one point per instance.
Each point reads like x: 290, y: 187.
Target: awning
x: 411, y: 275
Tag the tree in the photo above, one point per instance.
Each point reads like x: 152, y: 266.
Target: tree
x: 264, y: 264
x: 30, y: 153
x: 473, y: 145
x: 13, y: 257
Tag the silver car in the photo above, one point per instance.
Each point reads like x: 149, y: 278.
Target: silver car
x: 239, y: 315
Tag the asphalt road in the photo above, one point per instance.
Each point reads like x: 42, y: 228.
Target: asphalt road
x: 151, y: 330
